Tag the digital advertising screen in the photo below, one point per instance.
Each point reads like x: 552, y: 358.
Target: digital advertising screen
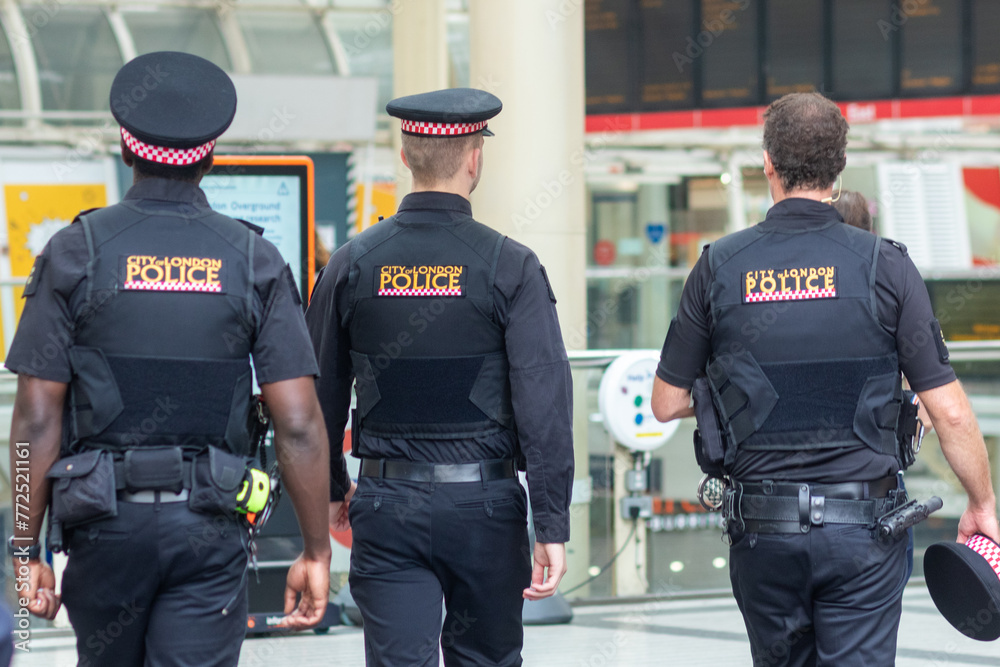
x: 273, y: 192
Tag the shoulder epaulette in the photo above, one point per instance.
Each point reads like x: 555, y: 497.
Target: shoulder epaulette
x: 252, y: 227
x: 901, y: 246
x: 83, y: 213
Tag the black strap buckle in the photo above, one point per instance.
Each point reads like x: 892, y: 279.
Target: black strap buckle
x: 732, y: 511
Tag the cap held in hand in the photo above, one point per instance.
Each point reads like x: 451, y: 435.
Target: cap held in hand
x: 964, y: 582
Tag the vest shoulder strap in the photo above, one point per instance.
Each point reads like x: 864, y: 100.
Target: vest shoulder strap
x: 88, y: 235
x: 362, y: 244
x: 871, y: 279
x: 484, y: 241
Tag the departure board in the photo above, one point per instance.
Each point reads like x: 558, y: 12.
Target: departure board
x: 609, y: 70
x: 985, y: 46
x: 729, y: 30
x: 931, y: 50
x: 668, y: 61
x: 663, y: 55
x: 862, y: 55
x: 794, y: 59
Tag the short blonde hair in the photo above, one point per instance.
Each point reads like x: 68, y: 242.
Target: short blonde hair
x: 436, y: 159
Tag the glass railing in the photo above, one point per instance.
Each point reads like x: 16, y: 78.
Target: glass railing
x: 684, y: 551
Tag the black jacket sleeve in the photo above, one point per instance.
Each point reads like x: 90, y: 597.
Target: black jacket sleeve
x: 541, y: 387
x: 332, y: 344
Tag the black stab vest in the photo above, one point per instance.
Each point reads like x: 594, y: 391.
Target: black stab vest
x: 162, y: 345
x: 428, y: 356
x: 799, y: 359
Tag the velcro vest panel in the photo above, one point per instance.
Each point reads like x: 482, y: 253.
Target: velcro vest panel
x: 163, y: 340
x: 799, y: 358
x: 428, y: 356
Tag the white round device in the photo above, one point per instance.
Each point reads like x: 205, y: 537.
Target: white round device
x: 624, y: 399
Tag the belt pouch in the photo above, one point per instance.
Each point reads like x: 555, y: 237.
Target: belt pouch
x: 154, y: 469
x: 83, y: 488
x: 216, y: 480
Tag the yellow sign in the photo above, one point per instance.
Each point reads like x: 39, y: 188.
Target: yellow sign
x: 172, y: 274
x: 811, y: 282
x: 443, y: 280
x: 34, y: 214
x: 381, y: 205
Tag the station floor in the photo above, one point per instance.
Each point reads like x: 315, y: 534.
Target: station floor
x: 707, y: 631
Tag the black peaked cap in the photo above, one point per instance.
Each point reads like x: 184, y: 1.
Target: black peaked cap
x: 965, y: 587
x: 452, y: 106
x: 172, y: 99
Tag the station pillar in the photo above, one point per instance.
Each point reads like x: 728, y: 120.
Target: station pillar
x: 529, y: 53
x: 420, y: 63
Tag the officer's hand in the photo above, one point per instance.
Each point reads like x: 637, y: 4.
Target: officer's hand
x: 339, y: 518
x: 975, y: 520
x: 311, y: 578
x: 553, y: 557
x: 41, y: 591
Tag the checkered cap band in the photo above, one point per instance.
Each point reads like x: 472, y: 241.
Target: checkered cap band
x: 442, y: 129
x: 177, y: 157
x: 986, y: 548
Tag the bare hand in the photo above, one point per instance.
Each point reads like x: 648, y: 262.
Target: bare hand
x: 553, y: 557
x: 41, y: 593
x: 339, y: 519
x: 311, y: 578
x: 978, y: 521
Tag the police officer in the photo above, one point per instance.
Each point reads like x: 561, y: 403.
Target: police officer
x: 450, y: 330
x: 802, y: 325
x: 140, y: 320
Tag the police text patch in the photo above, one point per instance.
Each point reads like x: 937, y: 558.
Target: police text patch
x: 172, y: 274
x: 811, y: 282
x: 439, y: 280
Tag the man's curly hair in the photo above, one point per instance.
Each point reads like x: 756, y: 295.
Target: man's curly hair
x: 806, y: 137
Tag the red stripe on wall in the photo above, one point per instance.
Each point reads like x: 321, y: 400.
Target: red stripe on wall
x: 855, y: 112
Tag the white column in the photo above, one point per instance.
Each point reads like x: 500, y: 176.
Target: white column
x: 529, y: 53
x: 419, y: 60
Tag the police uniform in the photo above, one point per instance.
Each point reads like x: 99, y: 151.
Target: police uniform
x: 450, y: 330
x: 802, y: 325
x: 150, y: 310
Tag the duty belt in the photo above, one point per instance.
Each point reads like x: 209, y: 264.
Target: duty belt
x: 795, y: 507
x: 439, y: 473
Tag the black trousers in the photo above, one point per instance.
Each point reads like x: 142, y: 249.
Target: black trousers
x: 148, y: 588
x: 418, y: 543
x: 831, y: 597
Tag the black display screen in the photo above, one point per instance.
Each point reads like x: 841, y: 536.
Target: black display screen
x: 662, y: 55
x: 931, y: 49
x: 985, y: 46
x: 669, y: 59
x: 862, y: 49
x: 728, y: 32
x: 608, y: 66
x: 793, y: 62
